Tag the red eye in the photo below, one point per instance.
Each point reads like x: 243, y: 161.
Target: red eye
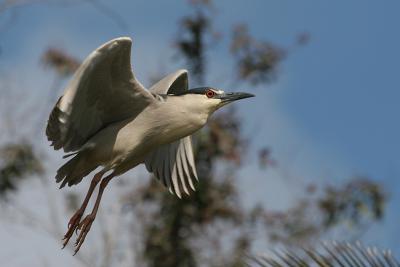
x: 210, y: 93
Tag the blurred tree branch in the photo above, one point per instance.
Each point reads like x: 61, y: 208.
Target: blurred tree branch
x: 256, y: 61
x: 62, y: 63
x: 17, y: 162
x: 355, y: 204
x: 195, y: 35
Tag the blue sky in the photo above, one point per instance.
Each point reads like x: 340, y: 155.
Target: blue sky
x: 332, y: 113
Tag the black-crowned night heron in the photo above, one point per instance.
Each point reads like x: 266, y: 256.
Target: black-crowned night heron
x: 107, y: 118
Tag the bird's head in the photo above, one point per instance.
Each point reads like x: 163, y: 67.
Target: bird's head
x: 211, y: 99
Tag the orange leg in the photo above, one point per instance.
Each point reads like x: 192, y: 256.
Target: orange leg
x: 86, y: 223
x: 76, y: 218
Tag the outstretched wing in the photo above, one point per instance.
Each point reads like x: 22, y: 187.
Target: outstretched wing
x: 173, y: 164
x: 174, y: 83
x: 103, y: 90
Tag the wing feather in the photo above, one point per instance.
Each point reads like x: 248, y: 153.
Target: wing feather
x: 186, y: 173
x: 175, y: 180
x: 103, y: 90
x: 190, y: 156
x: 181, y: 171
x: 172, y: 161
x: 174, y: 83
x: 166, y: 171
x: 159, y: 163
x: 188, y: 169
x: 173, y: 165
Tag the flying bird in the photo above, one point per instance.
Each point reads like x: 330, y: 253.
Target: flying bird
x: 107, y: 118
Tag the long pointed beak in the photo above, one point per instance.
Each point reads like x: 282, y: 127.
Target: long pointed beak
x: 230, y: 97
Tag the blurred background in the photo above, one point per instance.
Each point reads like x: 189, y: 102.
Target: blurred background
x: 314, y: 157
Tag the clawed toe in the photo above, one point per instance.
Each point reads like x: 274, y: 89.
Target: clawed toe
x: 72, y: 226
x: 84, y: 228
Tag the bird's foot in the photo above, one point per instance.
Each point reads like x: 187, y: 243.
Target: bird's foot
x: 84, y: 228
x: 72, y: 226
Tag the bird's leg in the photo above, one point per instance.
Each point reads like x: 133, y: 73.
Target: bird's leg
x: 76, y: 218
x: 86, y: 223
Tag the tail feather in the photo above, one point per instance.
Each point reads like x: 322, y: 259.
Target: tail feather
x: 73, y: 171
